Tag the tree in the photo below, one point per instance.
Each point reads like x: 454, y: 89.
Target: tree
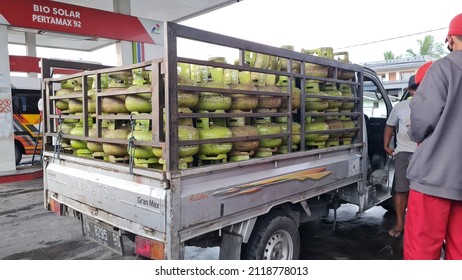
x: 388, y: 55
x: 427, y: 46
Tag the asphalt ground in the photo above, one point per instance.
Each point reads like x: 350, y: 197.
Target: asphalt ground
x: 29, y: 231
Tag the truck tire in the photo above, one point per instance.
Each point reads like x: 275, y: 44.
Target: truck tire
x: 274, y: 237
x: 17, y: 153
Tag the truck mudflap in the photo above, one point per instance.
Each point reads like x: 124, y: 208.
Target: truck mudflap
x: 131, y: 202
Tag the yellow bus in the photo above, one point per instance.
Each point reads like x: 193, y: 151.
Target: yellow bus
x: 26, y: 121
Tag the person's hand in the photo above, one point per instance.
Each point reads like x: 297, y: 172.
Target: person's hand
x: 390, y: 151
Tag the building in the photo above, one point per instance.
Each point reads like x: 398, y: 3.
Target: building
x: 395, y: 73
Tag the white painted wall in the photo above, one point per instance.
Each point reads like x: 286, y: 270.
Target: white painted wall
x: 7, y: 161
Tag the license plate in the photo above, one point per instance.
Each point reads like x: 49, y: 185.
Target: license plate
x: 103, y: 234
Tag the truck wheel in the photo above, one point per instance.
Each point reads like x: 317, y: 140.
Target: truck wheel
x: 18, y: 153
x: 274, y: 237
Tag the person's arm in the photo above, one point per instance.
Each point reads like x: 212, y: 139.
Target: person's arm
x: 392, y: 122
x: 387, y: 134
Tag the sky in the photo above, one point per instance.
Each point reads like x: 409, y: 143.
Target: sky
x: 363, y: 28
x: 334, y: 23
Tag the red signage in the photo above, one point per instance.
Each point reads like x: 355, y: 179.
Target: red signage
x: 32, y: 64
x: 24, y: 64
x: 66, y: 18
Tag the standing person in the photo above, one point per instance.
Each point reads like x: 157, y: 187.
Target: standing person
x: 400, y: 117
x: 435, y: 171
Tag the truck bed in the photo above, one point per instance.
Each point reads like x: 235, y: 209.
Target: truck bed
x: 205, y: 201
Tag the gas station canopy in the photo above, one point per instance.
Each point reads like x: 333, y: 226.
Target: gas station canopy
x: 158, y: 10
x: 175, y: 10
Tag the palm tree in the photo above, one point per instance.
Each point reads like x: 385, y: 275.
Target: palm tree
x: 388, y: 55
x: 428, y: 47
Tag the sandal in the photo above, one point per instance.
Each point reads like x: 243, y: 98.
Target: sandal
x: 395, y: 233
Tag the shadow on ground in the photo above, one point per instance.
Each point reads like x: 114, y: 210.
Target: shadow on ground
x: 356, y: 237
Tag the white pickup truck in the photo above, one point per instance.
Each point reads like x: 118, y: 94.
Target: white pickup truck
x: 248, y: 201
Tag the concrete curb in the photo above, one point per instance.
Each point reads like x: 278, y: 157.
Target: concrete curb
x: 22, y: 173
